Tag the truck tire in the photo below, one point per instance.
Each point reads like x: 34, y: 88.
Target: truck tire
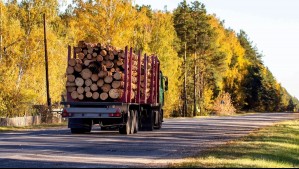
x: 133, y: 121
x: 158, y: 126
x: 148, y: 120
x: 136, y: 126
x: 126, y: 129
x: 80, y: 126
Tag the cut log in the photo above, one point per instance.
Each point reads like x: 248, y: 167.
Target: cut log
x: 87, y: 89
x: 135, y: 73
x: 79, y: 82
x: 88, y: 94
x: 86, y: 74
x: 90, y: 51
x: 89, y: 56
x: 72, y: 62
x: 78, y: 49
x: 85, y: 52
x: 103, y: 67
x: 88, y: 82
x: 117, y: 69
x: 111, y: 56
x: 96, y: 95
x: 80, y: 90
x: 100, y: 58
x: 118, y: 84
x: 95, y: 77
x: 100, y: 83
x: 106, y: 88
x: 81, y: 97
x: 134, y: 79
x: 108, y: 79
x: 112, y: 70
x: 70, y: 84
x: 87, y: 62
x: 78, y: 68
x: 70, y: 89
x: 115, y: 52
x: 71, y: 78
x: 114, y: 94
x: 120, y: 63
x: 81, y: 56
x: 104, y: 96
x: 121, y: 54
x: 74, y: 95
x: 103, y: 74
x: 134, y: 86
x: 70, y: 70
x: 109, y: 64
x: 118, y: 76
x: 104, y: 53
x: 94, y: 55
x: 94, y: 87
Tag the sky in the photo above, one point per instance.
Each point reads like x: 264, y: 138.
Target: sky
x: 272, y: 26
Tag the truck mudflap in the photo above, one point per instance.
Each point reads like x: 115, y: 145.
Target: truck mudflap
x: 94, y: 113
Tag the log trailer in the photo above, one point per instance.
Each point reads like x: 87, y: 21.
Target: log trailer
x: 143, y: 112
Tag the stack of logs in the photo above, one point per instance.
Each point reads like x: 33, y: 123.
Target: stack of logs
x: 97, y: 73
x: 143, y: 75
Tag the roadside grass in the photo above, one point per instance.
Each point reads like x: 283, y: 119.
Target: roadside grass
x: 272, y: 147
x: 42, y: 126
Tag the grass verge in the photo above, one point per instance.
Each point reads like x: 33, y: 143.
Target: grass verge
x: 43, y: 126
x: 272, y: 147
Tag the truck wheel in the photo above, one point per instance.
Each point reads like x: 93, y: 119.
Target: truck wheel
x: 136, y: 126
x: 160, y: 116
x: 149, y: 121
x: 126, y: 129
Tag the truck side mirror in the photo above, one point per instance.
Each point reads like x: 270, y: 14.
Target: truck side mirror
x: 166, y: 83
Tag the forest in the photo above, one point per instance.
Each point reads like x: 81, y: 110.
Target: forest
x: 211, y: 68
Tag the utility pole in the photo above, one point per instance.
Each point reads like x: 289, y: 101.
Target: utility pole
x: 46, y: 63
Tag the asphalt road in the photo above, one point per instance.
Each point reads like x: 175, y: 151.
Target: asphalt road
x: 179, y: 138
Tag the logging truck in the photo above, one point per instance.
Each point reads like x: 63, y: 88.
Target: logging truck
x: 111, y: 87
